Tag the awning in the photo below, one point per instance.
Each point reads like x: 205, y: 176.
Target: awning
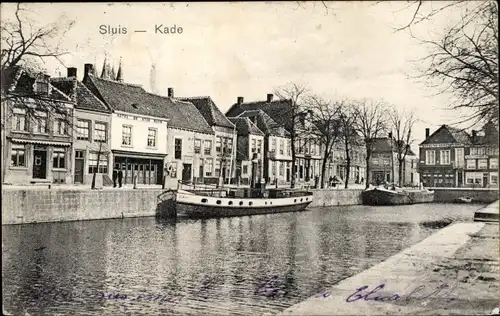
x: 120, y: 153
x: 40, y: 142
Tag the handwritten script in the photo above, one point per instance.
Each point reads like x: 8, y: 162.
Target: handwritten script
x: 380, y: 294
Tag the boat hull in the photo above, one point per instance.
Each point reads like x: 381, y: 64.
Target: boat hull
x: 386, y: 197
x: 197, y: 206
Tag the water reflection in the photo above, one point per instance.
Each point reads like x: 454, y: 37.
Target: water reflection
x: 240, y: 265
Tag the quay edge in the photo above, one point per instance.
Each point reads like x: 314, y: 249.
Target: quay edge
x: 455, y: 256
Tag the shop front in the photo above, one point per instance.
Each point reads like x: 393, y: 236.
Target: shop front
x: 146, y: 168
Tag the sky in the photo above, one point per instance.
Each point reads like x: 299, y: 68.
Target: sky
x: 226, y: 50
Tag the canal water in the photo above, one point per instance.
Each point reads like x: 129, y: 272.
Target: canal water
x: 241, y: 265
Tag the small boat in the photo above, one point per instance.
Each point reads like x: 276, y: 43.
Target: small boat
x: 231, y: 202
x: 382, y: 196
x: 464, y: 200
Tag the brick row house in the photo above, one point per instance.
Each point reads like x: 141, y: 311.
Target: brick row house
x: 225, y: 134
x: 451, y: 157
x: 249, y: 149
x: 384, y: 164
x: 275, y: 119
x: 37, y: 138
x: 92, y: 130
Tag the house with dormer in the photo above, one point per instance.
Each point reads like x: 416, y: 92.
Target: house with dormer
x: 153, y: 135
x: 249, y: 149
x: 37, y: 127
x: 481, y: 161
x: 277, y: 152
x: 92, y: 130
x: 223, y: 146
x: 307, y: 145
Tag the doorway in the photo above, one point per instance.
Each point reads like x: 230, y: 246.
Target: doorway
x: 79, y: 166
x: 186, y: 172
x: 39, y: 164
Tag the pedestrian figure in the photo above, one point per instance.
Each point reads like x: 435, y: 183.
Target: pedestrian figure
x: 120, y: 177
x: 115, y: 176
x: 330, y: 182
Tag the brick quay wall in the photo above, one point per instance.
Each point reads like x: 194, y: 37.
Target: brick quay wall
x: 30, y: 205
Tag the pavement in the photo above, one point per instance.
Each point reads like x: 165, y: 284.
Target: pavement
x: 452, y: 272
x: 489, y: 213
x: 142, y: 186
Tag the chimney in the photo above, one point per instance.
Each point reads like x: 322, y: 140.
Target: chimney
x: 88, y: 69
x: 427, y: 133
x: 240, y: 100
x: 72, y: 72
x: 474, y: 135
x: 269, y: 97
x: 170, y: 92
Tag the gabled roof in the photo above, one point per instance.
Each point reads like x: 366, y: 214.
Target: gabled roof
x: 134, y: 99
x: 457, y: 135
x: 265, y: 123
x: 18, y: 81
x: 78, y: 92
x: 382, y: 145
x: 279, y: 110
x: 387, y: 145
x: 245, y: 127
x: 210, y: 111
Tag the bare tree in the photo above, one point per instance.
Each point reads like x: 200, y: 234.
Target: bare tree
x: 370, y: 123
x: 401, y: 124
x: 348, y: 135
x: 325, y: 116
x: 294, y: 116
x: 464, y: 61
x: 23, y: 44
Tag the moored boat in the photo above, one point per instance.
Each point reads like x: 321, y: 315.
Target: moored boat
x: 381, y: 196
x: 231, y: 202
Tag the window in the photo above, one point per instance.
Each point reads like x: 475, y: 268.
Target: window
x: 471, y: 163
x: 254, y: 145
x: 197, y: 146
x: 478, y: 151
x: 493, y: 163
x: 494, y: 179
x: 60, y: 127
x: 218, y: 144
x: 209, y: 165
x: 244, y: 170
x: 445, y: 157
x: 273, y: 169
x: 127, y: 135
x: 58, y: 159
x: 273, y: 145
x: 19, y: 119
x: 41, y: 85
x: 40, y: 122
x: 178, y: 148
x: 289, y: 148
x: 229, y: 145
x: 282, y: 168
x: 259, y: 146
x: 217, y: 168
x: 152, y: 137
x: 103, y: 163
x: 82, y: 129
x: 100, y: 132
x: 313, y: 147
x: 482, y: 164
x: 208, y: 147
x: 459, y: 157
x: 430, y: 157
x: 17, y: 156
x: 375, y: 161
